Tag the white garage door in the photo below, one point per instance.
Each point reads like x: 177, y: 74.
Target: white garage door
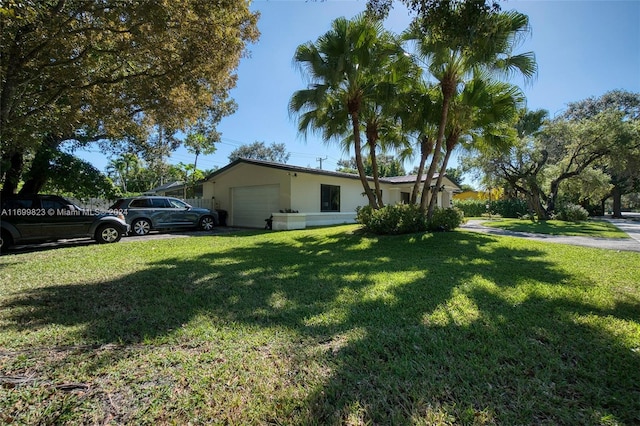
x: 253, y: 204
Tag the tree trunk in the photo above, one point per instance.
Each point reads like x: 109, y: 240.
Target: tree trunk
x: 436, y: 188
x: 13, y: 174
x: 193, y: 175
x: 553, y: 195
x: 372, y: 139
x: 451, y: 142
x: 195, y: 162
x: 376, y: 175
x: 124, y: 182
x: 355, y: 121
x: 39, y: 172
x: 425, y: 151
x: 448, y: 89
x: 616, y: 193
x: 535, y: 203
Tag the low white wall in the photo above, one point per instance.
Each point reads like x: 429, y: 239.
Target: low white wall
x: 336, y: 218
x: 287, y: 221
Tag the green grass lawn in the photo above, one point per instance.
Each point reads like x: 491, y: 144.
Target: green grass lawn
x: 322, y: 326
x: 590, y: 228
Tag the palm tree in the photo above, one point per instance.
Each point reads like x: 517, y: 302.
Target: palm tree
x: 352, y: 68
x: 383, y: 125
x: 124, y: 168
x: 484, y: 111
x: 530, y: 123
x: 417, y: 109
x: 519, y: 165
x: 451, y: 63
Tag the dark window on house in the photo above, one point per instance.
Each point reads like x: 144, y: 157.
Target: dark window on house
x: 329, y: 198
x: 405, y: 197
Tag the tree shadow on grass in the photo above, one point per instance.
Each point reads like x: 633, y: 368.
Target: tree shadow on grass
x: 420, y: 328
x: 533, y: 362
x: 532, y: 359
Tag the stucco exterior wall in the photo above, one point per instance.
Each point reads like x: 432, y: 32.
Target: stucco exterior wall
x: 303, y: 188
x: 219, y: 188
x: 305, y: 192
x: 301, y: 191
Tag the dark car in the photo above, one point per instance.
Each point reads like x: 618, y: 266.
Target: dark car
x: 40, y: 218
x: 146, y: 213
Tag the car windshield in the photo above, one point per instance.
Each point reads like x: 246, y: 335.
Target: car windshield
x: 179, y: 204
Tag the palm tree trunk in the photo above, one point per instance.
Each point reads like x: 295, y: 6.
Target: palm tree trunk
x: 372, y: 139
x: 443, y: 168
x: 123, y: 180
x: 448, y: 88
x: 355, y: 121
x: 425, y: 150
x: 195, y: 169
x: 451, y: 143
x: 376, y: 174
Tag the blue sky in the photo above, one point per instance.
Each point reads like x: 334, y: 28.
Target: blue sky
x: 583, y: 49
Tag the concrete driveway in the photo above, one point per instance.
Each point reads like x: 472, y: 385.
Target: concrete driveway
x: 630, y: 224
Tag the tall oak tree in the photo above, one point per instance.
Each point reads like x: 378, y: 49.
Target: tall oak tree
x: 106, y: 70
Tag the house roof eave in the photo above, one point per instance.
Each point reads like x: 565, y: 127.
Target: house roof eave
x: 397, y: 180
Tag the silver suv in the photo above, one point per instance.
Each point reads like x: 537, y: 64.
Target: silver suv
x: 146, y: 213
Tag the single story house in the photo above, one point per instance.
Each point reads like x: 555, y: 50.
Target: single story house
x: 254, y: 190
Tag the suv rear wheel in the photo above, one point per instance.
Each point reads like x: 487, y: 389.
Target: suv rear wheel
x: 141, y: 227
x: 207, y: 223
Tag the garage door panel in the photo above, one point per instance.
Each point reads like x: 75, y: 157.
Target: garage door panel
x: 253, y: 204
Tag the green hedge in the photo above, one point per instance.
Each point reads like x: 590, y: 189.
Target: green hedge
x: 573, y: 213
x: 392, y: 219
x: 472, y: 208
x: 406, y: 219
x: 445, y: 219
